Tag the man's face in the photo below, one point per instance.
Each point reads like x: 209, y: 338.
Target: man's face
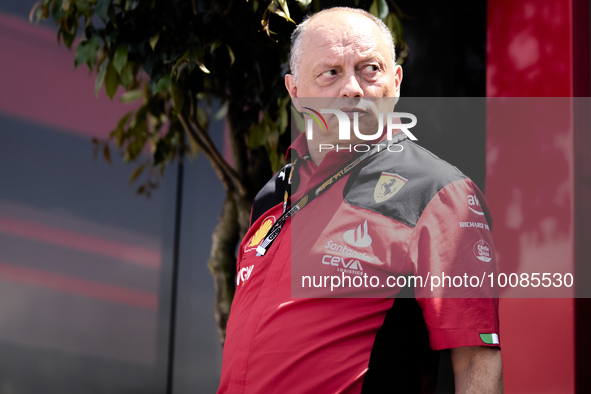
x: 344, y: 55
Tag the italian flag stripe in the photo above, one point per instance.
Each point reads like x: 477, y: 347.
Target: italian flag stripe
x: 490, y: 339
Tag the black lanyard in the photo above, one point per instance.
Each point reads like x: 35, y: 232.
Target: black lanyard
x: 313, y: 193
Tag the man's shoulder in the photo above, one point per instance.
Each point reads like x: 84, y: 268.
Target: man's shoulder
x: 401, y: 184
x: 271, y: 194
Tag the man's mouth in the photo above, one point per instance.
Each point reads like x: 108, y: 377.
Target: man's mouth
x: 350, y: 112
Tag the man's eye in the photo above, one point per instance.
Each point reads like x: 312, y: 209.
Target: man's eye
x: 372, y: 67
x: 329, y: 73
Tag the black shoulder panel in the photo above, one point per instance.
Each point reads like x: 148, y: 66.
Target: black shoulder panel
x: 271, y: 194
x: 421, y: 174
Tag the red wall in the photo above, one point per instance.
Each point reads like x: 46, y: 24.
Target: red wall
x: 39, y: 82
x: 530, y: 186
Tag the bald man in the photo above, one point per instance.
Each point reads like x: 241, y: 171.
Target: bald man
x: 280, y: 344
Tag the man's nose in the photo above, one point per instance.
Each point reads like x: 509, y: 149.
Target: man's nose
x: 351, y: 88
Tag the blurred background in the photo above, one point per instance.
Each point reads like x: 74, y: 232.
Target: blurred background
x: 86, y: 265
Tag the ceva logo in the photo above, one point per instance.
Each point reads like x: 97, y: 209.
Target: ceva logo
x: 345, y: 124
x: 337, y: 261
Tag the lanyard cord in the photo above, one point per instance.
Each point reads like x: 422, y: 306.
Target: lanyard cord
x: 313, y: 193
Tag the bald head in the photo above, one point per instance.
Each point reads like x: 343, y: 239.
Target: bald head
x: 343, y: 52
x: 338, y: 18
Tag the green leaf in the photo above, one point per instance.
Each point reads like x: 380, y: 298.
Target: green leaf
x: 258, y: 136
x: 126, y: 77
x: 111, y: 34
x: 131, y: 5
x: 283, y: 119
x: 57, y: 12
x: 373, y: 8
x: 67, y: 37
x: 196, y: 56
x: 214, y: 45
x: 36, y: 13
x: 297, y: 120
x: 305, y: 3
x: 162, y: 84
x: 275, y: 160
x: 221, y: 113
x: 202, y: 118
x: 84, y: 7
x: 138, y: 135
x: 86, y: 52
x: 154, y: 40
x: 285, y: 10
x: 101, y: 8
x: 176, y: 70
x: 379, y: 8
x: 193, y: 145
x: 112, y: 16
x: 395, y: 27
x: 100, y: 77
x: 163, y: 149
x: 180, y: 60
x: 273, y: 140
x: 119, y: 132
x: 384, y: 10
x: 111, y: 81
x: 131, y: 96
x: 140, y: 114
x: 120, y: 58
x: 136, y: 173
x: 123, y: 121
x: 231, y: 53
x: 155, y: 106
x: 203, y: 68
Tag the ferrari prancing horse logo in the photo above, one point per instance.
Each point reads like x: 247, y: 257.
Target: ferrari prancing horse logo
x: 388, y: 185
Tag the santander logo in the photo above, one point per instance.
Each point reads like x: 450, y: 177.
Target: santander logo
x: 358, y: 237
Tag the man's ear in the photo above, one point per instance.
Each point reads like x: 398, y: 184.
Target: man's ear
x: 397, y: 80
x: 292, y: 89
x: 291, y: 85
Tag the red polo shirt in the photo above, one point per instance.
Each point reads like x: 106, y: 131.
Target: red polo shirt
x: 399, y: 214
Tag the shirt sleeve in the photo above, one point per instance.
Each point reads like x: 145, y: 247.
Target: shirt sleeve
x: 452, y: 250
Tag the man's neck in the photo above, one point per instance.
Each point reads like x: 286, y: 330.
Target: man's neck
x: 320, y: 146
x: 316, y: 155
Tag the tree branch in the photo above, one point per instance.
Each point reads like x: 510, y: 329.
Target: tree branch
x: 222, y: 264
x: 232, y: 174
x: 227, y: 174
x: 204, y: 148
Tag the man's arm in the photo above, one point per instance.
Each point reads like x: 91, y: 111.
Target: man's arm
x: 477, y: 369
